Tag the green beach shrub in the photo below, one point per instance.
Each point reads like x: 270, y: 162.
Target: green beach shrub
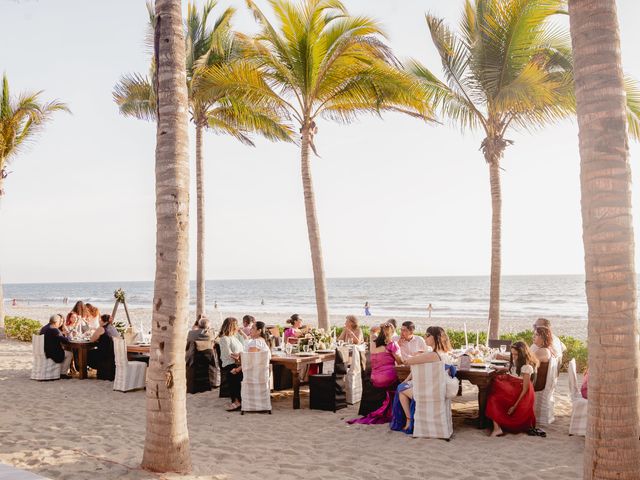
x: 21, y: 328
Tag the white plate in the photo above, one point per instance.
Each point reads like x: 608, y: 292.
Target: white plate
x: 478, y: 365
x: 305, y: 354
x: 500, y: 362
x: 324, y: 351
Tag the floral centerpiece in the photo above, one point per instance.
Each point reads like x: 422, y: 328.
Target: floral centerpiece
x: 316, y: 339
x: 119, y: 295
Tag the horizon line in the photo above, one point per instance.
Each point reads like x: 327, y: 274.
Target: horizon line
x: 306, y: 278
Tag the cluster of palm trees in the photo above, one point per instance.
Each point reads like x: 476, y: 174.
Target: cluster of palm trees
x: 508, y: 67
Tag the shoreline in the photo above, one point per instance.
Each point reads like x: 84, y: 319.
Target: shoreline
x: 561, y: 326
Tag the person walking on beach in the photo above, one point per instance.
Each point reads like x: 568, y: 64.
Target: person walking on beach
x: 430, y: 309
x: 366, y: 309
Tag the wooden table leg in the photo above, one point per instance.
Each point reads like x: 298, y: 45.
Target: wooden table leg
x: 295, y: 373
x: 482, y: 405
x: 82, y: 363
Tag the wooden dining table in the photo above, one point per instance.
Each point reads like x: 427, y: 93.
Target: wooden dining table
x: 480, y: 377
x: 295, y: 363
x: 82, y: 348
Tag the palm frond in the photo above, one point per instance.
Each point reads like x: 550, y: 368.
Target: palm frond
x: 135, y: 96
x: 632, y: 88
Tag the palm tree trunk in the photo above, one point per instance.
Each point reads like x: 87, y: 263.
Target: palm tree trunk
x: 166, y: 445
x: 200, y: 276
x: 322, y: 301
x: 1, y: 292
x: 493, y: 149
x: 612, y: 449
x: 496, y: 248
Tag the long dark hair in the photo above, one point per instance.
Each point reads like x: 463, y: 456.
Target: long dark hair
x: 440, y: 338
x: 524, y: 357
x: 228, y: 326
x: 106, y: 318
x: 261, y: 329
x: 545, y: 334
x: 386, y: 334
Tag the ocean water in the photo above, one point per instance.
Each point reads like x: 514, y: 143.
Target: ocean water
x: 557, y: 296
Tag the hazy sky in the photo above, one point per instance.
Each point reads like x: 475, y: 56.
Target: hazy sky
x: 395, y: 197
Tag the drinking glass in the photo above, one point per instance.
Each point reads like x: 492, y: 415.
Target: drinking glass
x: 288, y: 348
x: 503, y: 349
x: 305, y: 348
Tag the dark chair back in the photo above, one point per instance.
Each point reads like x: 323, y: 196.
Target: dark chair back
x: 497, y: 343
x: 224, y: 382
x: 541, y: 377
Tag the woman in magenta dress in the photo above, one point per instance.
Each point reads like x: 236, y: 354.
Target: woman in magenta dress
x: 296, y: 329
x: 511, y: 398
x: 385, y: 354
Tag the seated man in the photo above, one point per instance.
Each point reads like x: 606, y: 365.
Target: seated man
x: 53, y: 341
x: 410, y: 344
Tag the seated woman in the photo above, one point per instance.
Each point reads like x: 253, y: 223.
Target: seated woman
x: 92, y: 316
x: 230, y: 348
x: 511, y: 398
x: 296, y: 330
x: 543, y: 340
x: 102, y: 358
x: 385, y: 353
x: 352, y: 333
x: 76, y: 317
x: 200, y: 361
x: 257, y: 342
x: 404, y: 405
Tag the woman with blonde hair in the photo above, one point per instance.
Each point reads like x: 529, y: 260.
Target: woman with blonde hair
x: 352, y: 332
x: 92, y: 316
x: 230, y: 349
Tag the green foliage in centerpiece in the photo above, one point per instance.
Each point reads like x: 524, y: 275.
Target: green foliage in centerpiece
x: 119, y: 295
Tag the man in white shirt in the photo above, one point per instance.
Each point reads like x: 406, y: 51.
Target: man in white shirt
x: 410, y: 344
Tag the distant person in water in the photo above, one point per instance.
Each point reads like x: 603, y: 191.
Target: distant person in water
x: 430, y: 309
x: 366, y: 309
x: 262, y: 302
x: 14, y: 303
x: 215, y: 305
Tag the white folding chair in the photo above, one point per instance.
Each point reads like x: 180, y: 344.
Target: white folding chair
x: 545, y: 402
x: 43, y: 368
x: 578, y: 425
x: 255, y: 387
x: 129, y: 375
x: 432, y: 417
x: 353, y: 378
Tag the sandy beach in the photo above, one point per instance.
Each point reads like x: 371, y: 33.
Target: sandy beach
x: 573, y: 327
x: 80, y: 429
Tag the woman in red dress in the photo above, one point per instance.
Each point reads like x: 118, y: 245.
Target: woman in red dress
x: 511, y: 397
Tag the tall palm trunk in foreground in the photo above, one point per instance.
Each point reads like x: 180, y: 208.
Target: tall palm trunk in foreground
x: 317, y: 262
x: 612, y: 448
x: 167, y: 442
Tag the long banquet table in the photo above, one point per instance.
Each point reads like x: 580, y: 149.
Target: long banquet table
x: 294, y: 363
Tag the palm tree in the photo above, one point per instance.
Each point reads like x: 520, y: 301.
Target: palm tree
x: 320, y: 61
x: 206, y: 46
x: 166, y: 445
x: 508, y: 67
x: 21, y: 118
x: 612, y: 449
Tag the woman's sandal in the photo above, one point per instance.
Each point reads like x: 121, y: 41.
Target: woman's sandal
x: 407, y: 425
x: 234, y: 408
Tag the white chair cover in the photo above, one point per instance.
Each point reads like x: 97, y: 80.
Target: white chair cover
x: 432, y: 417
x: 353, y: 378
x: 578, y: 425
x: 129, y: 375
x: 255, y: 387
x: 43, y: 368
x: 545, y: 401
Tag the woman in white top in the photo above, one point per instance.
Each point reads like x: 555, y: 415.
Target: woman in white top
x: 92, y: 316
x: 511, y: 399
x: 230, y: 348
x: 258, y: 340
